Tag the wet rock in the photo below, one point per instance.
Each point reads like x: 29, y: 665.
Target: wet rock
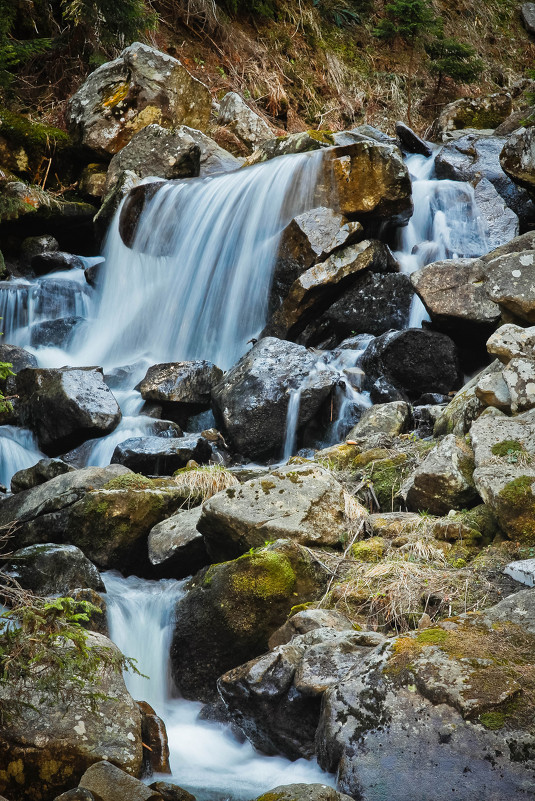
x: 127, y: 181
x: 232, y: 609
x: 413, y: 361
x: 374, y: 304
x: 186, y: 385
x: 444, y: 479
x: 154, y: 735
x: 480, y: 112
x: 308, y: 238
x: 505, y: 474
x: 156, y: 151
x: 176, y: 547
x: 266, y: 696
x: 391, y: 419
x: 316, y: 288
x: 50, y: 262
x: 501, y: 224
x: 411, y: 142
x: 140, y: 87
x: 65, y: 407
x: 303, y: 792
x: 249, y: 127
x: 19, y: 359
x: 171, y: 792
x: 107, y: 782
x: 527, y: 13
x: 299, y: 502
x: 251, y: 401
x: 52, y: 740
x: 309, y: 620
x: 54, y: 333
x: 50, y: 569
x: 35, y: 246
x: 472, y: 157
x: 454, y: 293
x: 161, y: 456
x: 510, y: 283
x: 453, y: 689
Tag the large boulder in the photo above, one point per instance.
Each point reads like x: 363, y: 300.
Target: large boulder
x: 242, y: 121
x: 156, y: 151
x: 412, y: 362
x: 518, y: 608
x: 511, y: 284
x: 214, y: 159
x: 43, y: 471
x: 50, y: 569
x: 232, y: 609
x: 181, y: 386
x: 303, y: 792
x: 299, y: 502
x: 518, y: 157
x: 429, y: 709
x: 161, y: 456
x: 500, y: 223
x: 51, y: 740
x: 251, y: 402
x: 107, y: 782
x: 176, y: 547
x: 268, y: 695
x: 465, y: 406
x: 140, y: 87
x: 479, y: 112
x: 19, y: 359
x: 64, y: 407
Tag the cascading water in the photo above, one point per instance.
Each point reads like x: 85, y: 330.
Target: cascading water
x: 206, y: 758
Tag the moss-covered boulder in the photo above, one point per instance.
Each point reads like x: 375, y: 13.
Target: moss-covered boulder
x: 479, y: 112
x: 231, y: 610
x: 303, y: 792
x: 431, y: 708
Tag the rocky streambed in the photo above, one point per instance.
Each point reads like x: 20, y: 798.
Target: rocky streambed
x: 284, y: 430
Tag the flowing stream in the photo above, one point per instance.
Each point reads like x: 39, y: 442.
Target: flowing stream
x: 206, y: 758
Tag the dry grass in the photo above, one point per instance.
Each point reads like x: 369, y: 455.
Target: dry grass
x: 203, y: 482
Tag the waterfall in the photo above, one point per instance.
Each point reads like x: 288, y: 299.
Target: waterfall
x: 206, y: 758
x: 18, y: 450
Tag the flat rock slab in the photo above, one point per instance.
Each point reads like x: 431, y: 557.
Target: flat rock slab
x: 522, y: 571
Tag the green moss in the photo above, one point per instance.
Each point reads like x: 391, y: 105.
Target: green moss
x: 35, y: 138
x: 325, y: 137
x: 507, y: 447
x: 432, y: 637
x: 370, y: 550
x: 516, y: 509
x: 129, y: 481
x: 493, y: 720
x: 267, y: 486
x: 265, y: 574
x: 387, y: 476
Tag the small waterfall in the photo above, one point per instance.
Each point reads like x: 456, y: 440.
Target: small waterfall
x: 18, y: 450
x: 206, y: 758
x: 292, y: 419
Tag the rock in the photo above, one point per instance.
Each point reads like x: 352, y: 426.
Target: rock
x: 514, y: 121
x: 180, y: 383
x: 78, y: 794
x: 35, y: 246
x: 242, y: 121
x: 266, y: 696
x: 53, y: 570
x: 156, y: 151
x: 140, y: 87
x: 373, y: 304
x: 52, y: 740
x: 154, y: 735
x: 410, y: 142
x: 501, y: 224
x: 19, y: 359
x: 413, y: 361
x: 46, y: 210
x: 519, y: 378
x: 391, y: 419
x: 454, y: 293
x: 233, y: 608
x: 504, y: 474
x: 176, y: 547
x: 527, y: 13
x: 302, y: 142
x: 309, y: 620
x: 518, y: 608
x: 320, y: 285
x: 308, y: 238
x: 492, y: 390
x: 480, y: 112
x: 214, y: 159
x: 171, y: 792
x: 465, y: 407
x: 93, y: 180
x: 50, y: 262
x: 65, y: 407
x: 510, y: 341
x: 161, y: 456
x: 127, y: 181
x: 370, y: 181
x: 444, y: 479
x: 54, y: 333
x: 251, y: 401
x: 473, y: 157
x: 299, y: 502
x: 522, y: 571
x: 303, y: 792
x: 460, y: 692
x: 510, y: 283
x: 108, y: 782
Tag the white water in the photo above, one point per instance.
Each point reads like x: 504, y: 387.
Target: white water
x: 18, y: 450
x: 206, y: 758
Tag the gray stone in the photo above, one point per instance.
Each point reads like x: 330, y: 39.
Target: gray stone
x: 161, y: 456
x: 50, y: 569
x: 35, y: 245
x: 214, y: 159
x: 492, y: 390
x: 465, y: 407
x: 176, y: 547
x: 510, y: 341
x: 500, y: 222
x: 180, y: 382
x: 248, y: 126
x: 411, y: 142
x: 309, y: 620
x: 527, y: 12
x: 299, y: 502
x: 78, y: 794
x: 171, y: 792
x: 511, y: 283
x: 54, y: 333
x: 391, y: 419
x: 251, y: 401
x: 50, y: 262
x: 19, y: 359
x: 522, y: 571
x: 140, y: 87
x: 65, y: 407
x: 108, y: 782
x: 518, y: 608
x: 519, y: 376
x: 480, y: 112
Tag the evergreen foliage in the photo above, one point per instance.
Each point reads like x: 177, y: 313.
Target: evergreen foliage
x: 453, y: 59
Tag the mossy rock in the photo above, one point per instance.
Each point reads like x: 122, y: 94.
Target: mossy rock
x: 26, y: 145
x: 387, y: 476
x: 515, y: 509
x: 370, y: 550
x: 233, y: 607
